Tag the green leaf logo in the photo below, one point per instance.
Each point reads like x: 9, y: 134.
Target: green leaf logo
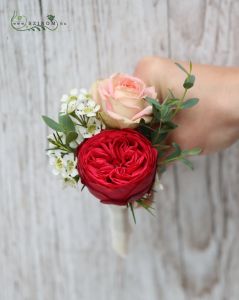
x: 51, y: 18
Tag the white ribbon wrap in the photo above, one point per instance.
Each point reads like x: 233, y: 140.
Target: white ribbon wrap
x: 120, y: 228
x: 120, y: 224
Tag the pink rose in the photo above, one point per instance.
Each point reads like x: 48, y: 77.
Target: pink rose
x: 121, y: 98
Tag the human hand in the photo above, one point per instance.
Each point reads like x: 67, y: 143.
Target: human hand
x: 213, y: 124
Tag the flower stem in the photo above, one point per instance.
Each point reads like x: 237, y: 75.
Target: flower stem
x: 180, y: 102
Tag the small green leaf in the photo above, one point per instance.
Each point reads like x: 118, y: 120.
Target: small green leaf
x: 51, y: 17
x: 182, y: 68
x: 52, y: 124
x: 187, y: 163
x: 189, y: 103
x: 71, y: 136
x: 156, y: 114
x: 153, y: 102
x: 194, y: 151
x: 66, y: 122
x: 172, y: 101
x: 189, y: 82
x: 144, y: 129
x: 132, y: 210
x: 166, y: 113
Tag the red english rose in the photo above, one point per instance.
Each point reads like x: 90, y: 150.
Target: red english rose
x: 117, y: 166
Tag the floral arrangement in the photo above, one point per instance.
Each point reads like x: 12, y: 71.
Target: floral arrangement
x: 113, y: 139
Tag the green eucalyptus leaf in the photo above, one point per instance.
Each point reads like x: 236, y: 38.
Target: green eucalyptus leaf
x: 172, y: 101
x: 156, y: 114
x: 52, y: 124
x: 188, y: 163
x: 166, y: 113
x: 153, y: 102
x: 144, y: 129
x: 189, y: 103
x: 66, y: 123
x: 189, y: 82
x: 194, y: 151
x: 70, y: 137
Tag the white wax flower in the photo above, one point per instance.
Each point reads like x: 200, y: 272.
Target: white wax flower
x: 93, y: 127
x: 69, y: 181
x: 56, y: 160
x: 69, y: 163
x: 87, y: 108
x: 69, y: 102
x: 84, y: 95
x: 63, y: 164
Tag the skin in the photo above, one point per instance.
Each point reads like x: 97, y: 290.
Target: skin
x: 213, y: 124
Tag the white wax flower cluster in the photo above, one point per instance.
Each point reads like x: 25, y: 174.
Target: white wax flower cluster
x: 85, y: 109
x: 82, y: 110
x: 64, y: 164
